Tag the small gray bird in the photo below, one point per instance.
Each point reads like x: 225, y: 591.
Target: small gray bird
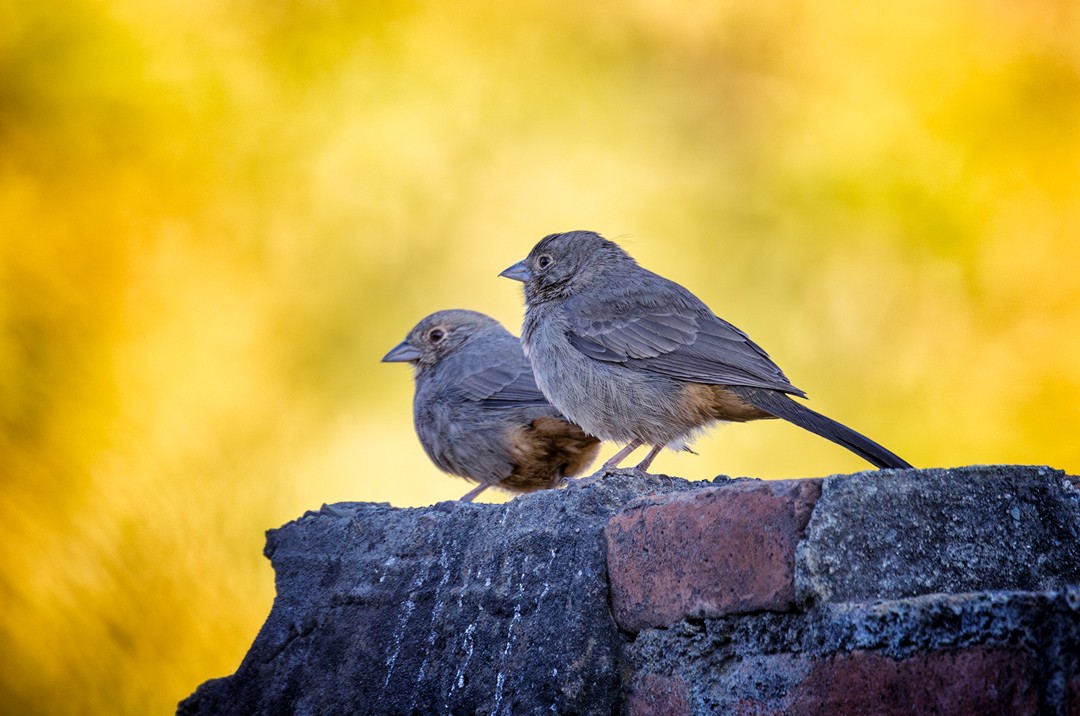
x: 633, y: 357
x: 478, y: 412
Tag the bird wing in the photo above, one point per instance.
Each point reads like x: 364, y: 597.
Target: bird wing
x: 502, y: 385
x: 663, y: 328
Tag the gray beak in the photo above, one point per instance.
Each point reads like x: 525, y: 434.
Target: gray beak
x: 518, y: 272
x: 401, y: 353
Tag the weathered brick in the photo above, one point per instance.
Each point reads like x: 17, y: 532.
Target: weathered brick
x: 708, y: 553
x: 981, y: 681
x: 656, y: 695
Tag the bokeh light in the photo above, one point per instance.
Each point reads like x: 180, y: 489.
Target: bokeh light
x: 215, y: 218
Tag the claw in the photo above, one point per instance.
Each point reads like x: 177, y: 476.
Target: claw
x: 620, y: 456
x: 643, y: 466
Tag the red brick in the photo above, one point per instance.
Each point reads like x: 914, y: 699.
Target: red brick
x: 707, y: 553
x: 655, y: 695
x: 977, y: 682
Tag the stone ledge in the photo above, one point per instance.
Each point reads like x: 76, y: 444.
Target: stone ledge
x: 498, y: 609
x: 455, y: 608
x: 891, y: 535
x: 975, y: 682
x: 932, y: 652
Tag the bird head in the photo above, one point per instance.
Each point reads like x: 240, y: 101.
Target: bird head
x: 562, y: 264
x: 439, y: 335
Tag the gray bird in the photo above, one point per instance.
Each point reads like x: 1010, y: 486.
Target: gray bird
x: 478, y: 412
x: 633, y: 357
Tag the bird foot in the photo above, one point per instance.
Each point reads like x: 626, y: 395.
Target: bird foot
x: 642, y: 467
x: 585, y: 481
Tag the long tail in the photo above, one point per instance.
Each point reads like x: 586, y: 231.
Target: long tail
x: 776, y: 403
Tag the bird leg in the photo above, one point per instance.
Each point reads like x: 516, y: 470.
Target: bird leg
x: 621, y: 455
x: 643, y: 466
x: 609, y: 465
x: 471, y: 494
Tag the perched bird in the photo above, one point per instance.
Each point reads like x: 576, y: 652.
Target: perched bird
x: 633, y: 357
x: 478, y: 412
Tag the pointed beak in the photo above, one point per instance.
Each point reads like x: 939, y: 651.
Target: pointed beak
x: 401, y: 353
x: 518, y: 272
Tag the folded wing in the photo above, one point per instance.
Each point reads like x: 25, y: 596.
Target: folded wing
x: 670, y: 332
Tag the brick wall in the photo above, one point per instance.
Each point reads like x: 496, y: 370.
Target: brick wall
x: 912, y: 593
x: 888, y: 592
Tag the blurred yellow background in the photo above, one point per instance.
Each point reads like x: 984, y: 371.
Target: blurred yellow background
x: 216, y: 217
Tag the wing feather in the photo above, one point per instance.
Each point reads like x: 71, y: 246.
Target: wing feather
x: 502, y: 385
x: 669, y: 331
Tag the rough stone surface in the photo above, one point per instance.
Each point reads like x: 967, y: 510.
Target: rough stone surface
x: 655, y: 695
x: 896, y: 534
x: 707, y: 553
x: 866, y: 658
x: 457, y: 608
x: 1072, y: 695
x: 978, y: 682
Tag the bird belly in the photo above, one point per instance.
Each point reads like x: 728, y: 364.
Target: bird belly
x: 614, y: 402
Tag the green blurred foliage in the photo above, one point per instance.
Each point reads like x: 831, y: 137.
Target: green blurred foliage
x: 216, y: 217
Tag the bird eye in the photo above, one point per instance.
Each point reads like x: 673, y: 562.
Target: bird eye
x: 543, y: 261
x: 436, y: 335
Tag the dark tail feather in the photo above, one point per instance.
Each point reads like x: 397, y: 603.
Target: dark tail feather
x: 776, y: 403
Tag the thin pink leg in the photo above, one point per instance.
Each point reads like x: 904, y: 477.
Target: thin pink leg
x: 471, y: 494
x: 621, y: 455
x: 643, y: 466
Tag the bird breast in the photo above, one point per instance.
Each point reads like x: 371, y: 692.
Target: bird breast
x: 607, y: 399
